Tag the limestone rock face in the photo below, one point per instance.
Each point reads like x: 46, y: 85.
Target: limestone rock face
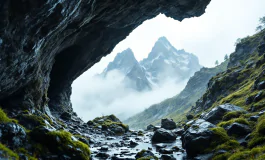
x: 45, y: 45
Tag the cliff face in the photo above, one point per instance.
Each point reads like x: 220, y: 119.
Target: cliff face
x: 245, y: 71
x: 45, y: 45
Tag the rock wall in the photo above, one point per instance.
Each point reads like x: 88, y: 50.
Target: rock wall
x: 46, y: 44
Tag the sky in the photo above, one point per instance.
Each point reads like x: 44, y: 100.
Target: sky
x: 209, y: 37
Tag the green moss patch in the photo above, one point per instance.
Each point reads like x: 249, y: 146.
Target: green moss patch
x: 108, y: 122
x: 4, y: 118
x: 258, y: 135
x: 254, y: 154
x: 230, y: 115
x: 7, y: 153
x: 65, y: 142
x: 148, y: 158
x: 235, y: 120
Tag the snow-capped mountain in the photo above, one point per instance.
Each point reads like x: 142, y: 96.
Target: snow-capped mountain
x: 134, y: 73
x: 163, y: 63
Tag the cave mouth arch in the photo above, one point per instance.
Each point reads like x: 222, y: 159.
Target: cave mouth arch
x: 94, y: 26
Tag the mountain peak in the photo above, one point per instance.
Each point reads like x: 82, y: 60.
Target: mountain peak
x: 124, y: 61
x: 163, y: 38
x: 128, y: 53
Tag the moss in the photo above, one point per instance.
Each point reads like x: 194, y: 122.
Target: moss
x: 141, y: 154
x: 255, y: 153
x: 148, y: 158
x: 7, y: 153
x: 261, y: 126
x: 220, y: 136
x: 229, y: 145
x: 239, y: 96
x: 4, y: 118
x: 108, y: 121
x: 258, y: 135
x: 47, y: 118
x: 234, y: 114
x: 64, y: 140
x: 237, y: 120
x: 61, y: 123
x: 25, y: 152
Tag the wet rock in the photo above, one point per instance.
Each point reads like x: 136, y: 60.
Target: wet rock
x: 238, y: 129
x: 221, y: 151
x: 189, y: 116
x: 66, y: 116
x: 197, y: 137
x: 104, y: 148
x: 168, y: 124
x: 259, y: 96
x: 144, y: 153
x: 161, y: 135
x: 176, y: 149
x: 84, y: 140
x: 254, y: 118
x: 204, y: 156
x: 216, y: 114
x: 12, y: 134
x: 178, y: 131
x: 161, y: 145
x: 156, y: 128
x: 249, y: 100
x: 150, y: 127
x: 117, y: 130
x: 243, y: 142
x: 261, y: 85
x: 165, y: 151
x: 167, y: 157
x: 22, y: 156
x: 133, y: 144
x: 102, y: 155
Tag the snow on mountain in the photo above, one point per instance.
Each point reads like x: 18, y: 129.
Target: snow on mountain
x: 163, y: 62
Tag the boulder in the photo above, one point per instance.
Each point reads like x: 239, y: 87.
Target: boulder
x: 178, y: 131
x: 102, y: 155
x: 197, y: 137
x: 249, y: 100
x: 189, y: 116
x: 163, y: 136
x: 12, y: 134
x: 144, y: 153
x: 168, y: 124
x: 166, y: 151
x: 254, y: 118
x: 216, y: 114
x: 167, y: 157
x: 261, y: 85
x: 259, y: 96
x: 150, y: 127
x: 238, y: 129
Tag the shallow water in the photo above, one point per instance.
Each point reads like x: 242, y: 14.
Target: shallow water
x: 121, y: 149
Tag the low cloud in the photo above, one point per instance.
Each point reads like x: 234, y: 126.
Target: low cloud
x: 94, y: 96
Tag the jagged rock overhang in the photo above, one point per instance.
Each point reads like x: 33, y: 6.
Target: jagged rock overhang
x: 45, y: 45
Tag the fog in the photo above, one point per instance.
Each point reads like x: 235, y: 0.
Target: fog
x: 210, y: 37
x: 95, y: 96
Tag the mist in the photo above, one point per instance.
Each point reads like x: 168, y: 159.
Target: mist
x: 94, y: 96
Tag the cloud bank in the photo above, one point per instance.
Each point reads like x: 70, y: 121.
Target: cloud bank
x: 94, y: 96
